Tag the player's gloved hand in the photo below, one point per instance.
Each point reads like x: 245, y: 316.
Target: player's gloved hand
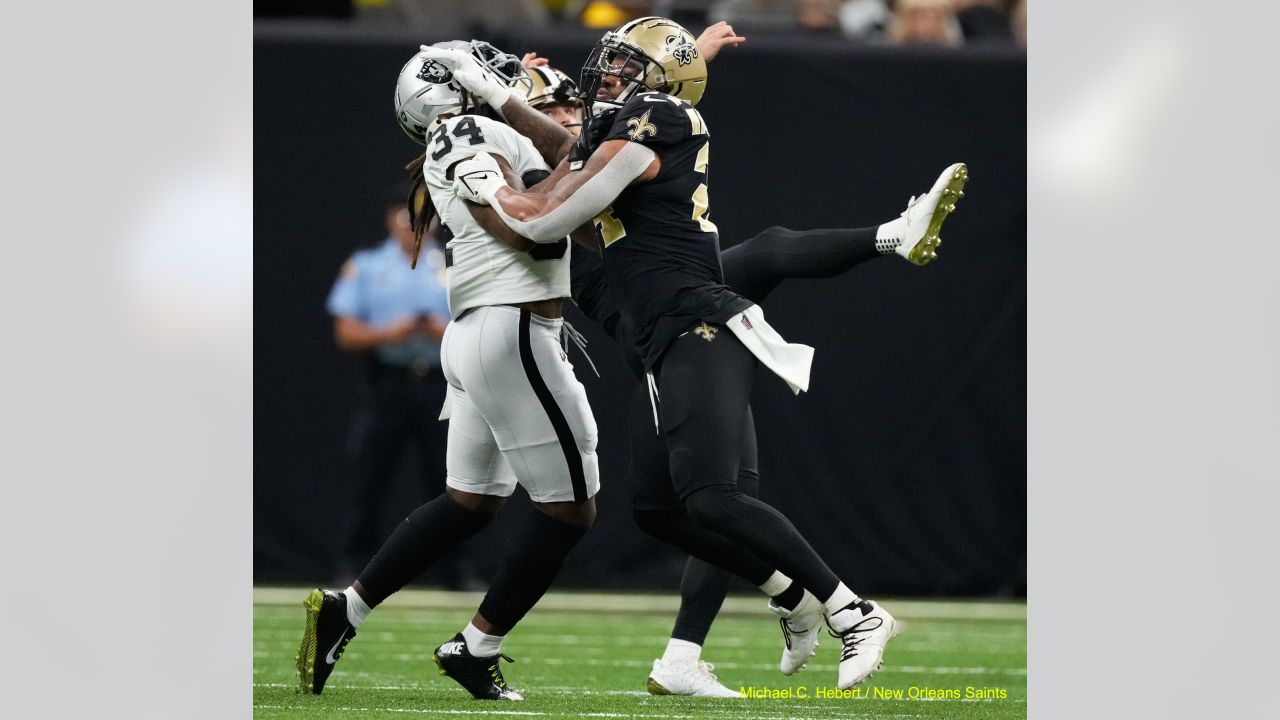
x: 478, y: 179
x: 470, y: 74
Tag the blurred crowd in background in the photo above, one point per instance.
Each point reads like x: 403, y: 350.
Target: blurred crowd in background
x: 898, y: 22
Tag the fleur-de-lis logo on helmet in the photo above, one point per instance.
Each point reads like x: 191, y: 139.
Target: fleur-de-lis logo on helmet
x: 684, y: 51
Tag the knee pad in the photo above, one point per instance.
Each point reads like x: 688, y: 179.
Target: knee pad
x: 709, y: 506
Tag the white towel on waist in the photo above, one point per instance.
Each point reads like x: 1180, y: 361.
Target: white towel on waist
x: 789, y: 361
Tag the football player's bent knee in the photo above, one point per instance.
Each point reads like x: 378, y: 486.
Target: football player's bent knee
x: 580, y: 515
x: 658, y: 523
x: 711, y: 506
x: 776, y: 231
x: 476, y: 502
x: 686, y: 466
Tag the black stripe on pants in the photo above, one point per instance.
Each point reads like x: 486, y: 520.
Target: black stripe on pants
x: 561, y: 425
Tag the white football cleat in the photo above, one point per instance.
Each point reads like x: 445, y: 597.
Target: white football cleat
x: 864, y: 629
x: 692, y: 678
x: 920, y: 223
x: 799, y: 631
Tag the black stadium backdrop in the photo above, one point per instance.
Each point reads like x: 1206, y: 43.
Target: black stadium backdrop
x: 905, y: 464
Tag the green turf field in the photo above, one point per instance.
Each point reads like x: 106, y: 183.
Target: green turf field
x: 587, y: 655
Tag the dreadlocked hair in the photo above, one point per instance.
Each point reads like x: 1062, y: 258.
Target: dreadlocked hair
x: 421, y: 209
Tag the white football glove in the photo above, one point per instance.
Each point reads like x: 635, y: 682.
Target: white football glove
x: 471, y: 75
x: 478, y: 179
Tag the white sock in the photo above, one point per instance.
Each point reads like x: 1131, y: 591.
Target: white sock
x: 682, y: 651
x: 479, y: 644
x: 840, y: 599
x: 357, y: 610
x: 889, y: 236
x: 776, y: 583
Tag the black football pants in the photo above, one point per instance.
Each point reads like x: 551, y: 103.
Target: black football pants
x: 705, y: 388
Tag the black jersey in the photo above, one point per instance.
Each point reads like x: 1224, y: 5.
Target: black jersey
x: 661, y: 252
x: 591, y: 294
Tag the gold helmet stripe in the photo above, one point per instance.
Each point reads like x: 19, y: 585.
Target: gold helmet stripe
x: 548, y: 79
x: 629, y: 26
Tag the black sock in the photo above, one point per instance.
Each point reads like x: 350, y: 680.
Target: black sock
x: 536, y: 551
x: 754, y: 267
x: 423, y: 538
x: 703, y: 588
x: 790, y: 597
x: 768, y: 533
x: 675, y: 527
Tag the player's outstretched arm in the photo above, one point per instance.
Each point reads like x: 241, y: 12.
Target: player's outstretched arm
x: 487, y: 218
x: 574, y: 200
x: 552, y: 141
x: 492, y: 222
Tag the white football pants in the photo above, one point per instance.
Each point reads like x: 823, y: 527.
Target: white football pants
x: 514, y: 396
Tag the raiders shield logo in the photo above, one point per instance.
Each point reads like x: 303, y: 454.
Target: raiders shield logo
x: 434, y: 72
x: 682, y: 50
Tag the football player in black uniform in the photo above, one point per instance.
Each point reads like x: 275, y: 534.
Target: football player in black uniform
x: 640, y: 171
x: 752, y: 268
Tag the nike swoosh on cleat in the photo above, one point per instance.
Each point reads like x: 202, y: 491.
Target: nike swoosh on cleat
x: 329, y: 658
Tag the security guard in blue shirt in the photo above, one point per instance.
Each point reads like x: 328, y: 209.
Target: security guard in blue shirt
x: 393, y: 317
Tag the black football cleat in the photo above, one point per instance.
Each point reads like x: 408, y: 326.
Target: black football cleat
x: 325, y: 637
x: 479, y: 676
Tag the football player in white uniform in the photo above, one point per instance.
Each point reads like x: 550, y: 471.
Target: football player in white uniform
x: 516, y: 412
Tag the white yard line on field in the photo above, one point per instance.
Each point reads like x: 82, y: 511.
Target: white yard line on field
x: 559, y: 690
x: 760, y: 637
x: 577, y: 602
x: 813, y: 667
x: 597, y: 662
